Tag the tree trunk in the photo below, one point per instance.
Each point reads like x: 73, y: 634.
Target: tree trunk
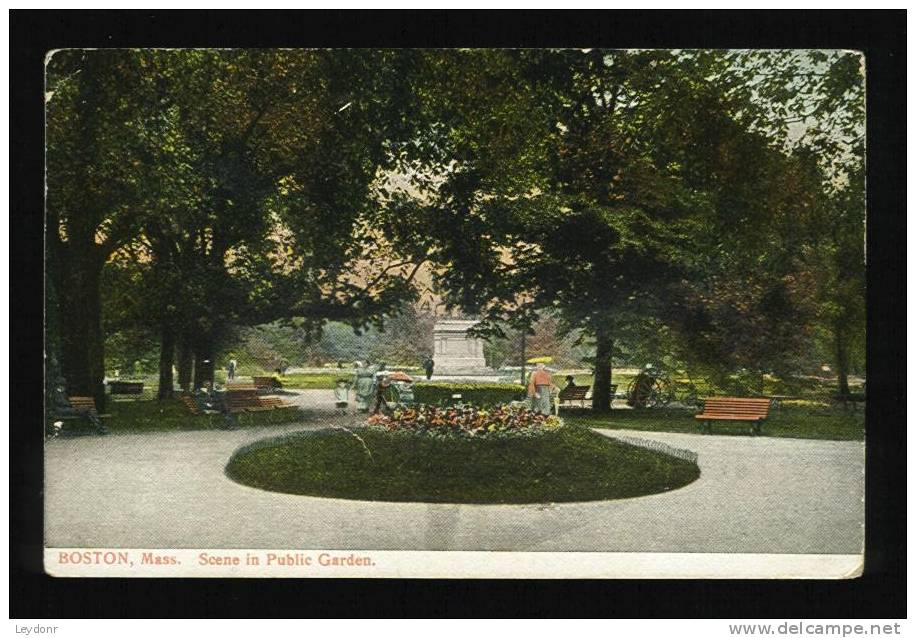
x: 842, y: 361
x: 199, y: 373
x: 601, y: 390
x: 523, y: 381
x: 185, y: 363
x: 82, y: 343
x: 203, y: 363
x: 166, y: 359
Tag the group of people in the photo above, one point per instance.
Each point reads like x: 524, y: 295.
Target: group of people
x: 371, y: 382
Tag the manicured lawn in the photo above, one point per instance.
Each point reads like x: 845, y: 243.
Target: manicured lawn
x: 314, y: 381
x: 803, y: 422
x: 155, y: 416
x: 571, y: 464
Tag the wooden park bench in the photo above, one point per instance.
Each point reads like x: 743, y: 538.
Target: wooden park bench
x: 125, y: 387
x: 84, y: 407
x: 249, y: 400
x: 272, y: 403
x: 266, y: 383
x: 574, y: 393
x: 753, y: 411
x: 241, y: 387
x: 241, y: 399
x: 579, y: 392
x: 201, y: 403
x: 190, y: 404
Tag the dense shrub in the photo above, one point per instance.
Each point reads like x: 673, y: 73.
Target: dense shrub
x: 479, y: 394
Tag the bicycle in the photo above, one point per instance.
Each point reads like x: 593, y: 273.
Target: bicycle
x: 654, y: 388
x: 651, y: 389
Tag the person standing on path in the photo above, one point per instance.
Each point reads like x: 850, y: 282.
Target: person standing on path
x: 381, y: 391
x: 428, y: 365
x: 363, y: 385
x: 540, y: 386
x: 230, y: 369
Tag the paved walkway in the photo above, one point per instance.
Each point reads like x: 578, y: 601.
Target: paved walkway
x: 760, y: 495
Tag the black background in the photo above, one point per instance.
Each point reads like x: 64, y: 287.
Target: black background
x: 880, y: 593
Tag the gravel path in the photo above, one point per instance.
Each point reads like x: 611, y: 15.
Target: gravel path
x: 755, y: 495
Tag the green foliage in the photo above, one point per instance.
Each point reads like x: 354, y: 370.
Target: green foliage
x: 400, y: 338
x: 205, y: 174
x: 643, y: 193
x: 300, y: 381
x: 704, y: 207
x: 145, y: 415
x: 798, y: 422
x: 545, y: 337
x: 131, y: 352
x: 559, y: 466
x: 479, y: 394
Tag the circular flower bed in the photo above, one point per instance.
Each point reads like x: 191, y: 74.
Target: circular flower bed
x: 466, y: 422
x: 566, y: 464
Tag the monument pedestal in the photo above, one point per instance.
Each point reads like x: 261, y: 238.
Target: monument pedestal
x: 455, y: 351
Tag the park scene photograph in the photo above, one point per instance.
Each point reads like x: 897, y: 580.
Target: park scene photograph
x: 455, y: 312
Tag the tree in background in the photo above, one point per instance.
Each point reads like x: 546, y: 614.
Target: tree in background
x: 715, y: 196
x: 545, y: 339
x: 235, y: 187
x: 608, y: 187
x: 816, y: 101
x: 403, y: 338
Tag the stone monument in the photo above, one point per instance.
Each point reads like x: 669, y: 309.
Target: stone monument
x: 455, y: 351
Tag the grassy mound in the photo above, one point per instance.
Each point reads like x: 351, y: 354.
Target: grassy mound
x: 571, y: 464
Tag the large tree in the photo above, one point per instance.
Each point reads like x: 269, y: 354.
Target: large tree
x: 238, y: 185
x: 94, y: 102
x: 815, y: 101
x: 604, y: 185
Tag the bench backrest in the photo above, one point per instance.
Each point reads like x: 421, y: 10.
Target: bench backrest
x: 190, y: 403
x: 83, y: 404
x: 736, y: 406
x: 242, y: 397
x: 575, y: 392
x: 126, y: 387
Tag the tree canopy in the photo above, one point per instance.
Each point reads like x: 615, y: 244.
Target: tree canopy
x: 713, y: 197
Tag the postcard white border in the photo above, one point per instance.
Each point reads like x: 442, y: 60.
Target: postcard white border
x: 295, y: 563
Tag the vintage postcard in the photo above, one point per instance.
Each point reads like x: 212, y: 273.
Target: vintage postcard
x: 455, y: 313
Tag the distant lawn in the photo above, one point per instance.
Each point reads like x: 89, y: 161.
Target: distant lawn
x: 802, y: 422
x: 571, y: 464
x: 157, y: 416
x: 314, y: 381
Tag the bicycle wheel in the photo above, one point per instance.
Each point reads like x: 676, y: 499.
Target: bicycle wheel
x: 662, y: 394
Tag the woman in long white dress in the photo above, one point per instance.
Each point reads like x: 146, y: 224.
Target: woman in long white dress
x: 364, y: 386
